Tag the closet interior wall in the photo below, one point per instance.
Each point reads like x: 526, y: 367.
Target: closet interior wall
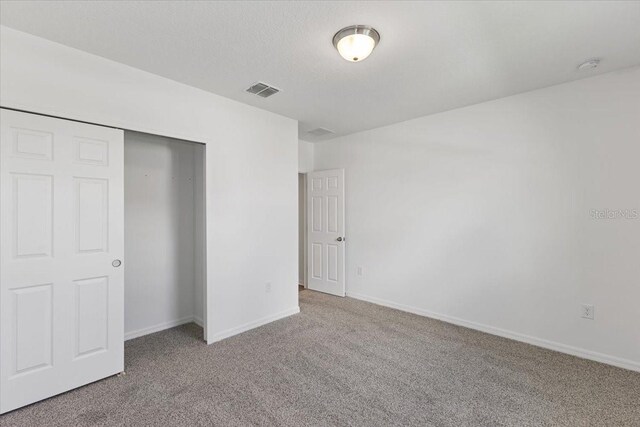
x: 164, y: 233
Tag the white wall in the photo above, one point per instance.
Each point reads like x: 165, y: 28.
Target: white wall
x: 251, y: 165
x: 305, y: 164
x: 162, y: 288
x: 305, y: 156
x: 482, y: 215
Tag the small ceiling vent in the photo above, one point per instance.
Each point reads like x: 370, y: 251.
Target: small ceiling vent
x: 319, y: 132
x: 262, y: 89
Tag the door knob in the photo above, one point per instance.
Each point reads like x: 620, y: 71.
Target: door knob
x: 339, y: 239
x: 116, y: 263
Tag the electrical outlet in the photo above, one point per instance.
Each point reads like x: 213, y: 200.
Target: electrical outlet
x: 588, y: 311
x: 267, y: 287
x: 359, y: 270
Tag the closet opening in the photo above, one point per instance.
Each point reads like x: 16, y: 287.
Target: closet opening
x: 164, y: 229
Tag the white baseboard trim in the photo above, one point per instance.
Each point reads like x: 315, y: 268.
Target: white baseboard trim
x: 254, y: 324
x: 539, y: 342
x: 198, y: 321
x: 159, y: 327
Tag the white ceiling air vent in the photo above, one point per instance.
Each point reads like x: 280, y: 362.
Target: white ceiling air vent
x: 319, y: 132
x: 262, y: 89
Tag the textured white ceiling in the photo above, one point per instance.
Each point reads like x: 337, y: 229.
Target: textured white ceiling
x: 433, y: 56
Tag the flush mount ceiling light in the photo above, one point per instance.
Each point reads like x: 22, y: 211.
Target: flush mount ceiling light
x: 356, y: 42
x: 589, y: 64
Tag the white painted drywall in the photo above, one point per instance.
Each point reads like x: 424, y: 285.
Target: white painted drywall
x: 251, y: 165
x: 161, y: 281
x: 482, y: 215
x: 305, y: 164
x: 305, y: 156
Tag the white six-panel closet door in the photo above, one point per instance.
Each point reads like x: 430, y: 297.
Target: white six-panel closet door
x: 62, y: 222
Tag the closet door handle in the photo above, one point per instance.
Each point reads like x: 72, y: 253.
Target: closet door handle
x: 116, y: 263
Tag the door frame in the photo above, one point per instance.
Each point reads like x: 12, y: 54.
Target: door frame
x: 205, y: 171
x: 304, y: 235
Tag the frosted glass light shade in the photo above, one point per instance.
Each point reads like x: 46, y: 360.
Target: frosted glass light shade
x: 356, y: 43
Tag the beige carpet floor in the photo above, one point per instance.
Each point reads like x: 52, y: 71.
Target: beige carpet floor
x: 349, y: 363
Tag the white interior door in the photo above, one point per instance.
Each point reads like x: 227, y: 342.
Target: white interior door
x: 325, y: 231
x: 61, y: 223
